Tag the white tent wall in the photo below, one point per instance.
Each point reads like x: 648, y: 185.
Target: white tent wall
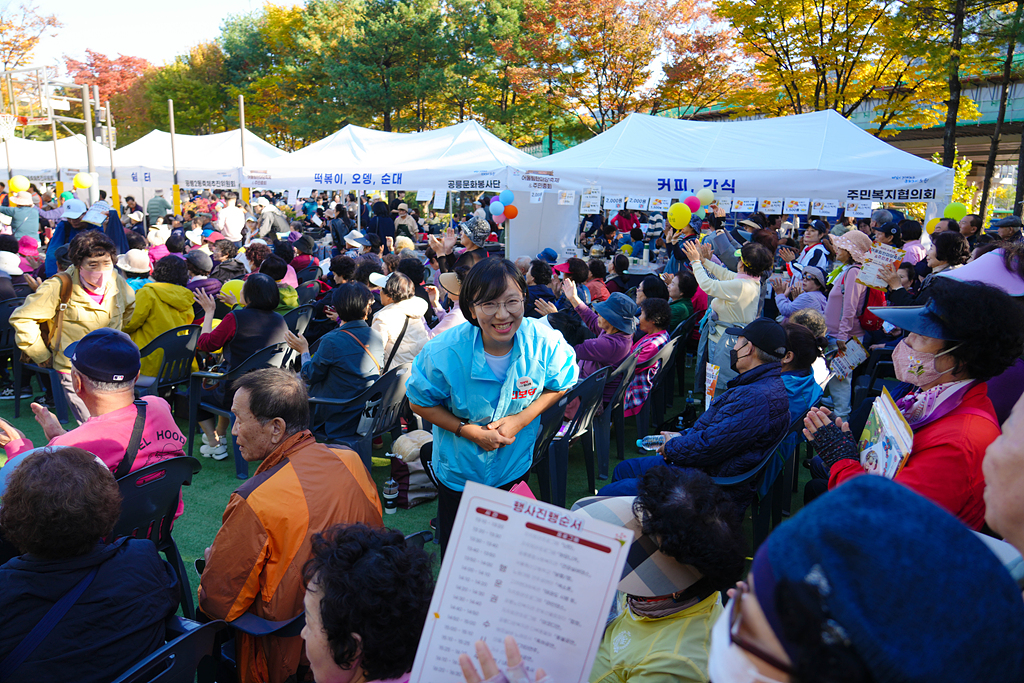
x: 541, y: 225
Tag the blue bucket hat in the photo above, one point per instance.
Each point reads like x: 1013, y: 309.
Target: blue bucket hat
x: 549, y: 256
x: 618, y: 311
x: 928, y: 320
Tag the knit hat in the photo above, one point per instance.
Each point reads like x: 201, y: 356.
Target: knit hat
x: 477, y: 229
x: 855, y: 242
x: 136, y: 261
x: 916, y: 594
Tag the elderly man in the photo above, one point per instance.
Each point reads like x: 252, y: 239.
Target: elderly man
x: 269, y: 220
x: 970, y: 227
x: 158, y: 207
x: 1008, y: 229
x: 739, y: 427
x: 104, y: 367
x: 300, y: 488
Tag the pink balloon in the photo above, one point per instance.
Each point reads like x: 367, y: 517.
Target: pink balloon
x: 499, y: 219
x: 692, y: 202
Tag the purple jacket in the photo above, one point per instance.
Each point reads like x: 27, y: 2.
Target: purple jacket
x: 605, y: 350
x: 209, y: 285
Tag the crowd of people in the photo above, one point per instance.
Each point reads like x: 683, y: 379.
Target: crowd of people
x: 490, y: 342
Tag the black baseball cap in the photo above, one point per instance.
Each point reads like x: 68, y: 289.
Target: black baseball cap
x: 765, y: 334
x: 105, y: 355
x: 889, y: 228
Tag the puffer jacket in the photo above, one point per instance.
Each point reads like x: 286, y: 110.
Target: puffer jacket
x: 82, y: 316
x: 159, y: 306
x: 736, y: 431
x: 289, y: 298
x: 389, y: 321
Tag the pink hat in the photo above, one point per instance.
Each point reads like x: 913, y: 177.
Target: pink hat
x: 855, y: 242
x: 214, y: 236
x: 989, y: 269
x: 28, y: 246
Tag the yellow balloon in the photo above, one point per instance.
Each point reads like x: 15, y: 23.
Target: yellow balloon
x: 956, y: 211
x: 19, y: 183
x: 627, y: 250
x: 930, y: 225
x: 82, y: 181
x: 706, y: 196
x: 234, y: 288
x: 679, y: 215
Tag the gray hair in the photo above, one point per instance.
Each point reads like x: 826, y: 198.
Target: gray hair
x: 97, y: 387
x: 881, y: 216
x: 764, y: 356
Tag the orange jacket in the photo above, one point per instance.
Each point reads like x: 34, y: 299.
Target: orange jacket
x: 256, y: 560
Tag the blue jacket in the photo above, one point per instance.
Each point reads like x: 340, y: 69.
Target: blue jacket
x: 535, y: 293
x: 803, y: 392
x: 341, y: 368
x: 451, y: 371
x: 64, y: 233
x: 117, y: 621
x: 733, y: 434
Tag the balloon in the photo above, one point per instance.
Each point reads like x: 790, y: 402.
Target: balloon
x: 233, y: 287
x: 511, y: 211
x: 507, y: 198
x: 627, y: 250
x: 706, y: 196
x: 700, y: 212
x: 82, y: 181
x: 956, y: 211
x: 496, y: 208
x: 496, y: 198
x: 679, y: 215
x: 692, y: 202
x: 930, y: 225
x: 19, y: 183
x: 498, y: 218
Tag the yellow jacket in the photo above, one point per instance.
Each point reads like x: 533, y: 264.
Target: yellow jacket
x: 82, y: 316
x: 159, y: 306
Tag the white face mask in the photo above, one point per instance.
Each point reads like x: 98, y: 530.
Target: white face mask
x: 726, y: 662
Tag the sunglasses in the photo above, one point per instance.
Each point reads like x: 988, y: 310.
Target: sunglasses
x: 741, y: 642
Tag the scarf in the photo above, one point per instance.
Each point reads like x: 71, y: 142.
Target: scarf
x: 656, y: 608
x: 924, y: 407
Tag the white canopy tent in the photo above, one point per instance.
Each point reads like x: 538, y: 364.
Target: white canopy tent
x: 789, y: 160
x: 34, y: 159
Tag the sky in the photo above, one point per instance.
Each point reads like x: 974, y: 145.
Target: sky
x: 152, y: 30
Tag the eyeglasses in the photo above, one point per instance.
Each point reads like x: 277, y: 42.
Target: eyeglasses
x: 513, y: 306
x: 741, y: 642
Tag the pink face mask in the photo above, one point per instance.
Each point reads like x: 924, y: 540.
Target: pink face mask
x: 917, y: 367
x: 96, y: 279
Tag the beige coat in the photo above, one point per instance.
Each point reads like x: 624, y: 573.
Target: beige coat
x: 83, y: 315
x: 389, y: 321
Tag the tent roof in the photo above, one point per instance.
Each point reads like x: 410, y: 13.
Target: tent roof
x: 38, y: 154
x: 216, y: 151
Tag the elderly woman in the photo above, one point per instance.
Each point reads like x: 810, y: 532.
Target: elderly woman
x: 160, y: 306
x: 400, y: 322
x: 806, y: 290
x: 346, y: 362
x: 951, y: 349
x: 59, y: 505
x: 948, y: 251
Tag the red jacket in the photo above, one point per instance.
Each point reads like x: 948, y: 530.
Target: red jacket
x: 945, y: 462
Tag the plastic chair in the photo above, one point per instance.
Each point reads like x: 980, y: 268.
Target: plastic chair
x: 308, y: 291
x: 270, y: 356
x: 654, y: 405
x: 589, y: 392
x: 7, y: 340
x: 61, y: 407
x: 602, y: 421
x: 878, y: 367
x: 682, y: 332
x: 384, y: 400
x: 419, y: 539
x: 179, y: 347
x: 298, y: 319
x: 149, y: 499
x: 179, y: 659
x: 308, y: 274
x: 543, y: 465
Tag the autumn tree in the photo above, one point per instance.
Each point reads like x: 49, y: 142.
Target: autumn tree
x: 195, y: 83
x: 21, y: 29
x: 113, y: 76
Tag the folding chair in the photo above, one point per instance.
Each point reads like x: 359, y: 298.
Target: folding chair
x: 682, y: 332
x: 877, y: 369
x: 308, y: 273
x: 589, y: 392
x: 149, y: 499
x: 308, y: 291
x: 270, y: 356
x: 178, y: 660
x: 179, y: 351
x: 651, y: 407
x: 298, y: 319
x: 61, y: 407
x: 383, y: 401
x: 550, y: 423
x: 602, y: 421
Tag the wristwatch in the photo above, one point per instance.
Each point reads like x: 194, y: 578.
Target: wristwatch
x: 462, y: 423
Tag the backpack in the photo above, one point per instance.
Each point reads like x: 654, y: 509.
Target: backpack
x: 868, y: 320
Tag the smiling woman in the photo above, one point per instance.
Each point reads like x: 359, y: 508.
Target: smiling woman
x: 484, y: 385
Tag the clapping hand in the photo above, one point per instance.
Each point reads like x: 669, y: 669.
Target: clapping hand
x: 691, y: 251
x: 891, y: 275
x: 206, y: 302
x: 544, y: 307
x: 706, y: 250
x: 787, y: 254
x: 449, y: 241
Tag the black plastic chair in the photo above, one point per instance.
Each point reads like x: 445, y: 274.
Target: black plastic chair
x: 682, y: 332
x: 178, y: 660
x: 602, y: 422
x: 383, y: 401
x: 308, y: 291
x: 271, y: 356
x: 298, y: 319
x: 543, y: 465
x: 877, y: 369
x: 8, y: 344
x: 179, y: 349
x: 589, y: 392
x: 651, y: 408
x: 149, y: 499
x: 308, y: 274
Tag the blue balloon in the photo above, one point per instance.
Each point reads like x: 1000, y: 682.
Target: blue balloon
x: 506, y: 197
x: 497, y: 208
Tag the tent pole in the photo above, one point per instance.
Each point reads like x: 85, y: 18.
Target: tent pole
x: 174, y: 162
x: 56, y: 160
x: 115, y: 198
x: 241, y: 124
x: 87, y: 115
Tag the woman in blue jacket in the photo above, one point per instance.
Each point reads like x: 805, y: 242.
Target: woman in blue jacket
x: 484, y: 385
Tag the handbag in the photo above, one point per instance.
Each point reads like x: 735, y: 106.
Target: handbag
x: 51, y: 330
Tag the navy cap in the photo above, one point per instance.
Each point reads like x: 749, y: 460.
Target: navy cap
x: 890, y: 228
x: 1008, y: 222
x: 765, y: 334
x: 105, y: 355
x: 927, y: 320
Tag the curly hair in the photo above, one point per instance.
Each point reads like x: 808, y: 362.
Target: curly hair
x: 951, y: 247
x: 373, y: 584
x: 695, y: 522
x: 171, y: 269
x: 769, y: 239
x: 541, y: 272
x: 757, y: 260
x: 227, y: 248
x: 657, y: 312
x: 59, y: 502
x: 90, y: 244
x: 256, y: 254
x: 988, y: 322
x: 812, y: 320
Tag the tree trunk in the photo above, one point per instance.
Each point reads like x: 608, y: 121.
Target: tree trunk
x: 1004, y: 92
x: 1019, y: 194
x: 953, y: 105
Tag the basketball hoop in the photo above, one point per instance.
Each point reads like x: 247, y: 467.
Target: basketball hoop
x: 8, y: 122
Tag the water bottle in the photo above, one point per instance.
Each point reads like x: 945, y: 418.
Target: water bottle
x: 651, y: 443
x: 390, y: 496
